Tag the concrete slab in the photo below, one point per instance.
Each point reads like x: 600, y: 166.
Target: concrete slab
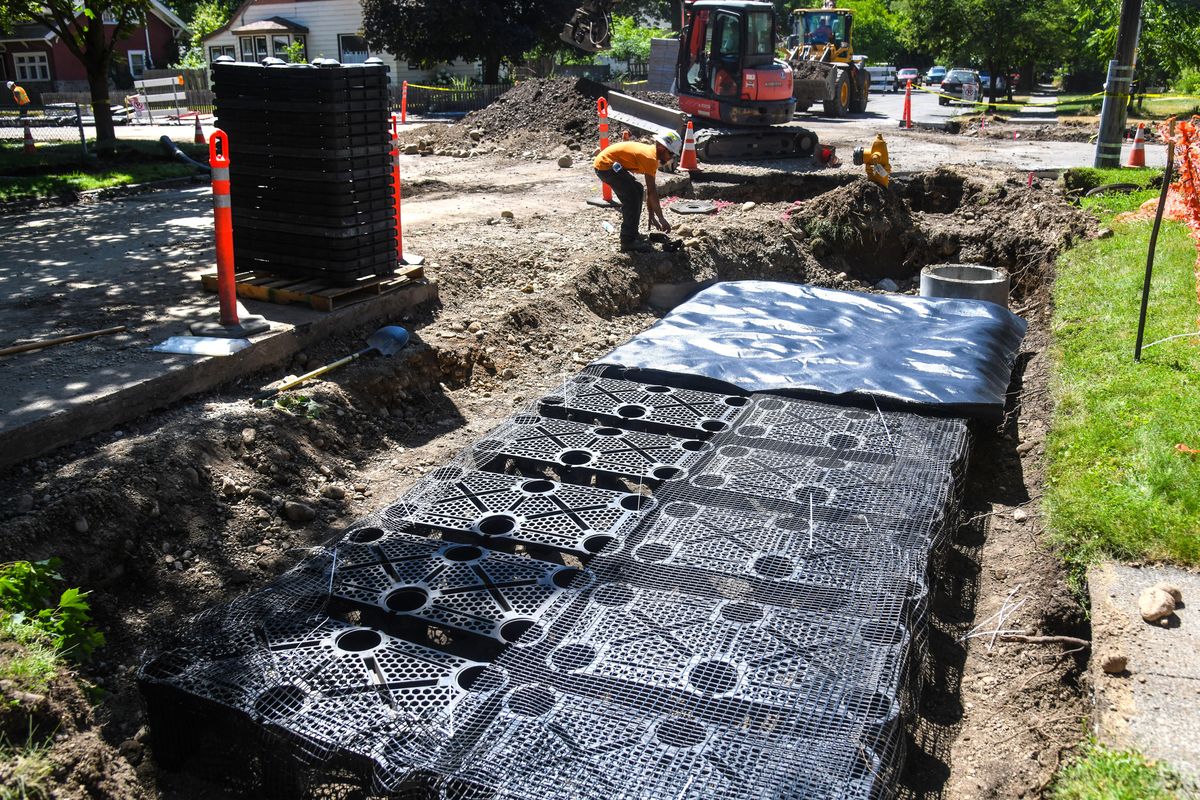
x: 133, y: 262
x: 1155, y: 704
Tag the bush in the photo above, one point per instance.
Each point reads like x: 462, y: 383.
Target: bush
x: 1188, y: 82
x: 29, y: 596
x: 630, y: 42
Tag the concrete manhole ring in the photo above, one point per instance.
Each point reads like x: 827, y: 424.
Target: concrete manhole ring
x: 693, y: 207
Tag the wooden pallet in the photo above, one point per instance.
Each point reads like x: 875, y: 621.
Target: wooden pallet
x: 320, y: 295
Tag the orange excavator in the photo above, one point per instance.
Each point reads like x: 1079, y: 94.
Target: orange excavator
x: 726, y: 76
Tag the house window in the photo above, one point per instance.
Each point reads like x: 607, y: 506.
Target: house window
x: 221, y: 50
x: 352, y: 48
x: 254, y: 48
x: 413, y: 66
x: 137, y: 64
x: 32, y: 66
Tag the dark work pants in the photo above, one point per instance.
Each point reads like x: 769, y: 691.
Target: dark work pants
x: 630, y: 193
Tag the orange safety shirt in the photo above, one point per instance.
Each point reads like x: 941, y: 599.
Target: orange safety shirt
x: 633, y: 156
x: 19, y: 96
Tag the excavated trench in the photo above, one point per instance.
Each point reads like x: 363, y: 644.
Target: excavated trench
x: 191, y: 487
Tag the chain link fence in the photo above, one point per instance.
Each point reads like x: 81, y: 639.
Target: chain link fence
x: 52, y: 122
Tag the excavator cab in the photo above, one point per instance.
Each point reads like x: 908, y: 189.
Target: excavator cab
x: 727, y: 69
x: 823, y: 34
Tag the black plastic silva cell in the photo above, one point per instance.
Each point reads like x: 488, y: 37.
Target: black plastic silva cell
x: 311, y: 171
x: 644, y: 407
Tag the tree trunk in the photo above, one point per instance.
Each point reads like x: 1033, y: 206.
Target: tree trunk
x: 97, y: 57
x: 106, y: 133
x: 491, y: 70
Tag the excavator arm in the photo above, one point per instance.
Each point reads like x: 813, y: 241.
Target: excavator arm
x: 590, y: 27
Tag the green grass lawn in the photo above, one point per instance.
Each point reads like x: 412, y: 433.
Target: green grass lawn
x: 1098, y: 773
x: 1116, y: 485
x: 1151, y: 108
x: 58, y: 169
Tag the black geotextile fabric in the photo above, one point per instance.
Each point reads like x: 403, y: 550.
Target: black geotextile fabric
x: 628, y: 590
x: 950, y: 356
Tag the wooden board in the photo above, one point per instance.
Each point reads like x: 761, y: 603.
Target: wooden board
x: 318, y: 294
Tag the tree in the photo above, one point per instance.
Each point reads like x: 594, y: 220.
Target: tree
x: 877, y: 30
x: 1168, y: 45
x: 997, y: 34
x: 82, y: 30
x: 433, y: 31
x: 206, y: 18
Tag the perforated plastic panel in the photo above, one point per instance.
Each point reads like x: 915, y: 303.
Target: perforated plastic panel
x: 461, y: 586
x: 578, y: 448
x: 638, y: 406
x: 538, y: 512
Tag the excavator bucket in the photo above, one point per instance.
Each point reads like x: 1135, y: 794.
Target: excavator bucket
x: 634, y: 113
x: 589, y: 28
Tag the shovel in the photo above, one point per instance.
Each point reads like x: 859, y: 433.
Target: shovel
x: 388, y: 340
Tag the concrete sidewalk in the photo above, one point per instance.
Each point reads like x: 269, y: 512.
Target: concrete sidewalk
x: 134, y: 262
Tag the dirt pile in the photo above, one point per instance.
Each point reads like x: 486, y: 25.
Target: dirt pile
x: 810, y: 71
x: 997, y: 127
x: 534, y: 117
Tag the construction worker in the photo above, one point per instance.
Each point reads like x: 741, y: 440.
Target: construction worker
x: 20, y: 97
x: 616, y: 165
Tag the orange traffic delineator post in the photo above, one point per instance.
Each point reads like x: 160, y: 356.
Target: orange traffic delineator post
x: 199, y: 138
x: 29, y: 145
x: 605, y: 189
x: 688, y: 160
x: 402, y: 258
x: 404, y: 103
x: 1137, y: 156
x: 906, y: 118
x: 229, y: 326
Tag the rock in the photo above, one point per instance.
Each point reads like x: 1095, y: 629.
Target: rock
x: 506, y: 214
x: 1156, y: 604
x: 842, y: 277
x: 261, y: 495
x: 1020, y: 515
x: 298, y: 512
x: 81, y: 525
x: 887, y: 285
x: 748, y: 205
x: 25, y: 504
x: 527, y: 288
x: 475, y: 327
x: 412, y: 149
x: 191, y: 476
x: 132, y: 751
x: 249, y: 435
x: 1113, y: 663
x: 1104, y: 233
x: 692, y: 242
x: 507, y: 373
x: 228, y: 487
x: 1171, y: 589
x: 476, y: 134
x: 360, y: 487
x: 565, y: 161
x: 333, y: 491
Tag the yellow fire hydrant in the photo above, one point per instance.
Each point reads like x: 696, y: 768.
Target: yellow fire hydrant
x: 875, y: 159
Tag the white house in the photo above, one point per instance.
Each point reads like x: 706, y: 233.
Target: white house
x: 326, y: 28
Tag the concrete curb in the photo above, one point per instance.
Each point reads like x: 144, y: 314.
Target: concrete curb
x: 97, y: 195
x: 72, y: 424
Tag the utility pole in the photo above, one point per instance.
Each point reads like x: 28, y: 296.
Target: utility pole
x: 1119, y: 86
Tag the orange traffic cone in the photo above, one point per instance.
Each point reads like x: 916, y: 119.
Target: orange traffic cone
x: 199, y: 131
x: 29, y: 145
x: 688, y: 160
x: 906, y: 117
x: 1137, y: 156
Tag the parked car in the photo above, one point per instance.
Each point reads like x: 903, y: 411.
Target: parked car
x: 954, y: 82
x: 1001, y: 86
x: 908, y: 74
x: 935, y: 75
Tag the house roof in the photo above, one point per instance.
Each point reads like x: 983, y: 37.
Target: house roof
x: 35, y: 31
x: 271, y: 25
x: 28, y: 32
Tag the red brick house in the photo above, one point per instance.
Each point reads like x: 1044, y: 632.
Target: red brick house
x: 34, y: 57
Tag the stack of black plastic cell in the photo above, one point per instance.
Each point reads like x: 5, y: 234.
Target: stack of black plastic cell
x: 310, y: 168
x: 628, y: 590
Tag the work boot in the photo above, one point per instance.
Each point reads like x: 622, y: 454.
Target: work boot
x: 637, y: 246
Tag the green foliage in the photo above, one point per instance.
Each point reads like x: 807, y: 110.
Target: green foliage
x: 207, y: 17
x: 878, y: 31
x: 29, y: 595
x: 295, y: 53
x: 32, y: 666
x: 1081, y: 179
x: 1169, y: 42
x: 298, y: 404
x: 630, y: 42
x: 1098, y: 773
x: 1188, y: 81
x: 1116, y: 485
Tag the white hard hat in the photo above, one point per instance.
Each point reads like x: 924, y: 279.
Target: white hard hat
x: 671, y: 141
x: 10, y: 84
